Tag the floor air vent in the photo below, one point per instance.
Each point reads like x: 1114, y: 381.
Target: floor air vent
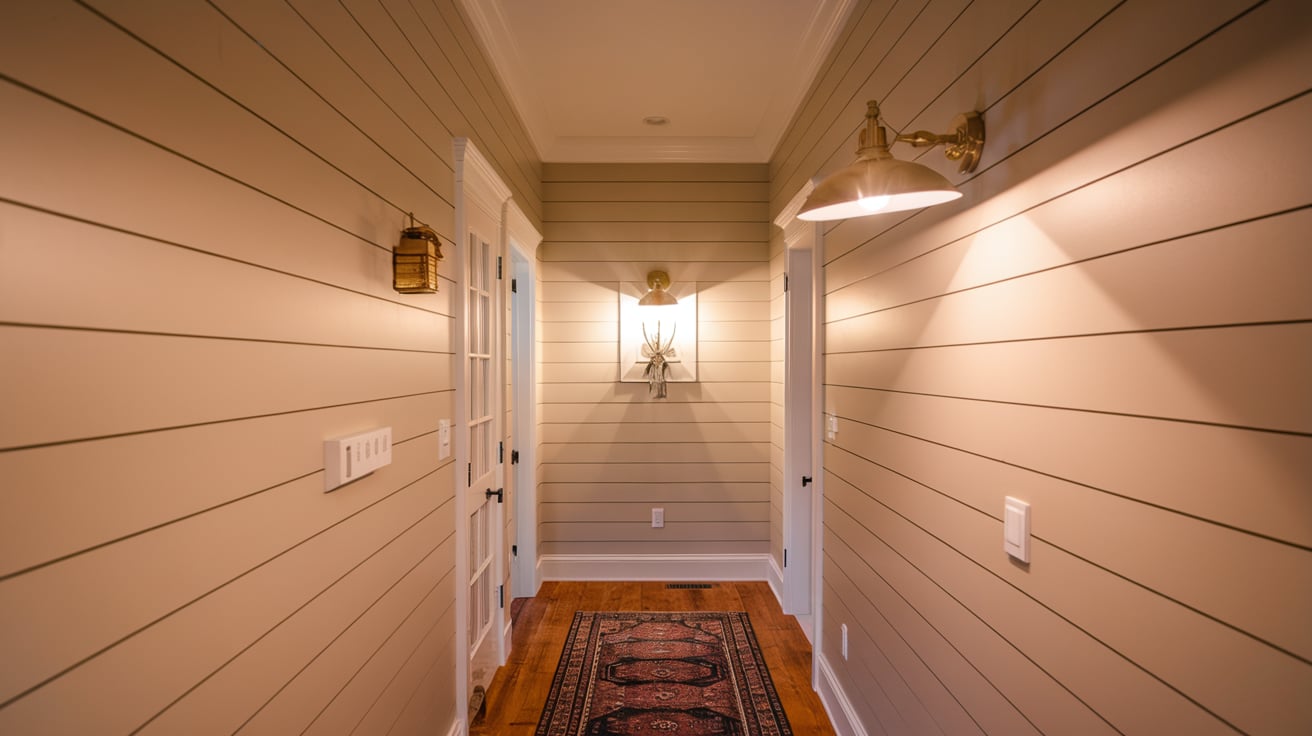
x: 687, y: 586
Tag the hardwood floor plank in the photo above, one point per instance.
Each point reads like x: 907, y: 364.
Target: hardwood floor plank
x: 520, y: 688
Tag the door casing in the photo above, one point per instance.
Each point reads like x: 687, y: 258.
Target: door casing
x: 480, y: 197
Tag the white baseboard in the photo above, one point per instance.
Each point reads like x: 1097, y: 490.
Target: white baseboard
x: 776, y: 580
x: 842, y: 715
x: 656, y: 567
x: 807, y: 622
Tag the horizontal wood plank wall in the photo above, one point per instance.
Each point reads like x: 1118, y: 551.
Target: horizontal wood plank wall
x: 609, y: 452
x: 197, y: 210
x: 1115, y: 325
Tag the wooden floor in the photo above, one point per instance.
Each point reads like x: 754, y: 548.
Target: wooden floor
x: 520, y: 688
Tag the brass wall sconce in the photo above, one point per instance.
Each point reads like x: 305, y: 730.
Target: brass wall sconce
x: 657, y: 349
x: 414, y: 260
x: 657, y: 295
x: 658, y: 333
x: 878, y: 183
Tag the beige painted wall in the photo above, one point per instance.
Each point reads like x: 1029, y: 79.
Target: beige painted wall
x: 1115, y: 325
x: 198, y: 206
x: 1112, y: 325
x: 609, y: 452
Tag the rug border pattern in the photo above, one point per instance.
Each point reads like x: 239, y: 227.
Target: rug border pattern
x: 566, y: 709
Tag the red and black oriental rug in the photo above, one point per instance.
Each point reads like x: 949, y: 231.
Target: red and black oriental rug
x: 693, y: 673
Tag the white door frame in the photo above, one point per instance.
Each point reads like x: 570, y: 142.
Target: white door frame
x: 804, y: 447
x: 817, y: 444
x: 476, y: 185
x: 525, y: 574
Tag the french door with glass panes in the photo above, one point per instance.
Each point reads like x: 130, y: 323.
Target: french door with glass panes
x: 483, y: 476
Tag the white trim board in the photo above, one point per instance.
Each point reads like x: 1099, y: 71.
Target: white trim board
x: 776, y: 580
x: 842, y: 715
x: 656, y: 567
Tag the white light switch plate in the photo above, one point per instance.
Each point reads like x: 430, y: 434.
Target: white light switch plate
x: 350, y: 458
x: 443, y: 439
x: 1016, y: 528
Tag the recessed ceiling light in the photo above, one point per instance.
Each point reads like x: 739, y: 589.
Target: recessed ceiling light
x: 656, y: 120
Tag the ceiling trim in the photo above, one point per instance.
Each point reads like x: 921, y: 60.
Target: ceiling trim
x: 499, y: 45
x: 821, y: 34
x: 507, y: 58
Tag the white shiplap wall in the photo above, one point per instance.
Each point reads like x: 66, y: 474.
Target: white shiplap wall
x: 197, y: 207
x: 1113, y: 324
x: 611, y: 453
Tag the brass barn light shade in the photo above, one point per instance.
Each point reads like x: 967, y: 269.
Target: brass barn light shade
x: 877, y: 182
x: 657, y: 296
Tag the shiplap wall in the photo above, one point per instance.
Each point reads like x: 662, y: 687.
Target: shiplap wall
x: 197, y: 207
x: 610, y: 453
x: 1115, y: 325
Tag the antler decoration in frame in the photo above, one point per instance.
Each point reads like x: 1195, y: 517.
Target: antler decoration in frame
x: 658, y: 355
x: 658, y: 334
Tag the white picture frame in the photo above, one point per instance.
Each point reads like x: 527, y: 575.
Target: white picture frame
x: 632, y: 362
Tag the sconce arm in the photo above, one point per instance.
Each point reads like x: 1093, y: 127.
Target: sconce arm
x: 925, y: 139
x: 964, y: 144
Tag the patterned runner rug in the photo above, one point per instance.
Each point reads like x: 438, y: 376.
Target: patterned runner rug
x: 694, y: 673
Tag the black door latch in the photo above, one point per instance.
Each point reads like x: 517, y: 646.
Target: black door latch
x: 499, y: 493
x: 806, y: 481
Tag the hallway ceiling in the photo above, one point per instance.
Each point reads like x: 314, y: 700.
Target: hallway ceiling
x: 726, y: 74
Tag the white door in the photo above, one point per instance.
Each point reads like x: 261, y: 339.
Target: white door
x: 799, y: 473
x: 524, y: 562
x: 483, y: 477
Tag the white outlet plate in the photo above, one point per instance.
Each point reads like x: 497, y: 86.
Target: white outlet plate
x: 350, y: 458
x: 657, y: 518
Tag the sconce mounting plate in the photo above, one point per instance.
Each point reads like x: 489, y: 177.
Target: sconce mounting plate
x: 970, y: 141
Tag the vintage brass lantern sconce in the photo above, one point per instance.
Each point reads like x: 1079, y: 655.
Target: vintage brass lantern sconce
x: 414, y: 260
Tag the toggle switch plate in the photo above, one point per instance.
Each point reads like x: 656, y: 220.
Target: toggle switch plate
x: 350, y: 458
x: 443, y: 439
x: 1016, y: 528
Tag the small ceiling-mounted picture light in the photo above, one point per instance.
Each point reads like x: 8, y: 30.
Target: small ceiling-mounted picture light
x: 414, y: 260
x: 877, y: 182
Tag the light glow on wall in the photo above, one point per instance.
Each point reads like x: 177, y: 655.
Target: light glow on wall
x: 681, y: 319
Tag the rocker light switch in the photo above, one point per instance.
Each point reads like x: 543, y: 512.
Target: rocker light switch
x: 1016, y: 529
x: 350, y: 458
